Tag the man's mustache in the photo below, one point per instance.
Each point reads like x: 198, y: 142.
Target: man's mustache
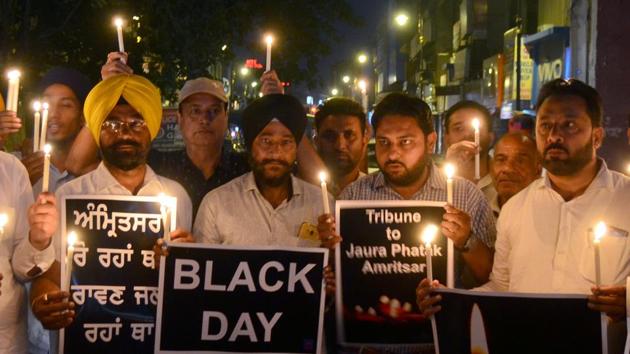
x: 556, y: 146
x: 125, y: 142
x: 394, y: 162
x: 280, y: 162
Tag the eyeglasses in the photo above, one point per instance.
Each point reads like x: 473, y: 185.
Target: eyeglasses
x: 116, y: 126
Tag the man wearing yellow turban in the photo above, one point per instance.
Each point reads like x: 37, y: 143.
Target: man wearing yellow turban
x: 123, y: 113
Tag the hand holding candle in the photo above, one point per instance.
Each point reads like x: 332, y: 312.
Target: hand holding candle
x: 71, y: 240
x: 475, y: 124
x: 600, y: 231
x: 322, y: 177
x: 46, y: 177
x: 269, y: 41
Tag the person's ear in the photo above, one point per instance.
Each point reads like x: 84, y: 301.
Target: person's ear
x: 431, y: 140
x: 598, y: 137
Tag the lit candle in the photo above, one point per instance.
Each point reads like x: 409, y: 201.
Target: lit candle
x: 269, y: 41
x: 121, y: 44
x: 166, y: 204
x: 46, y: 177
x: 70, y: 240
x: 322, y: 178
x: 37, y: 106
x: 475, y: 124
x: 600, y: 231
x: 4, y: 219
x: 13, y: 90
x: 427, y: 237
x: 42, y: 137
x: 449, y: 169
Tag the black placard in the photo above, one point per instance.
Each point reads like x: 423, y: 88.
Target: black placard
x: 113, y: 282
x: 379, y: 264
x: 217, y: 299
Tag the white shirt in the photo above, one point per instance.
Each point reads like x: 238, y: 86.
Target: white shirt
x: 237, y: 214
x: 101, y: 181
x: 17, y: 256
x: 543, y: 244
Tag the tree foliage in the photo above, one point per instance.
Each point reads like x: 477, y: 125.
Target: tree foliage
x: 170, y: 40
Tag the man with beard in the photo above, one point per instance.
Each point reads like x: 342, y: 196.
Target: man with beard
x: 280, y: 207
x: 405, y: 140
x: 544, y: 241
x: 123, y: 113
x: 513, y: 167
x: 341, y: 140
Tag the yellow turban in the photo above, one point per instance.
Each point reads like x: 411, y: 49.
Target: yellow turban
x: 139, y: 92
x: 1, y: 103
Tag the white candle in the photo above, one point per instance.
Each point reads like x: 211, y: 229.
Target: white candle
x: 600, y: 231
x: 42, y: 137
x: 427, y: 237
x: 475, y: 124
x: 166, y: 204
x: 46, y: 177
x: 449, y: 169
x: 13, y: 90
x: 37, y: 106
x: 4, y: 219
x: 70, y: 240
x: 322, y: 178
x: 121, y: 44
x: 269, y: 41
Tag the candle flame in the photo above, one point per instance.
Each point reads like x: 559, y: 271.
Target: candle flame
x: 37, y: 105
x: 72, y: 239
x: 323, y: 176
x: 429, y: 233
x: 166, y: 201
x: 14, y: 74
x: 600, y: 231
x: 269, y: 39
x: 118, y: 22
x: 475, y: 123
x: 4, y: 219
x: 449, y: 169
x: 47, y: 149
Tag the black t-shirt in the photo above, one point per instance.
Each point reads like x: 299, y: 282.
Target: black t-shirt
x: 177, y: 166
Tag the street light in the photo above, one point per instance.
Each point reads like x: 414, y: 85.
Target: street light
x: 345, y: 79
x: 334, y: 92
x: 244, y: 71
x: 362, y: 58
x: 401, y: 19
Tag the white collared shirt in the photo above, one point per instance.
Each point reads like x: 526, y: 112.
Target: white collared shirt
x: 101, y: 181
x: 238, y: 214
x: 17, y: 255
x: 543, y: 244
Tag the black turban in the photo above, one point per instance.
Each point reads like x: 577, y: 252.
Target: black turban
x: 77, y: 82
x: 286, y: 109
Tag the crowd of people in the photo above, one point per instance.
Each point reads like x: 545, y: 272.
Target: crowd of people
x: 520, y: 226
